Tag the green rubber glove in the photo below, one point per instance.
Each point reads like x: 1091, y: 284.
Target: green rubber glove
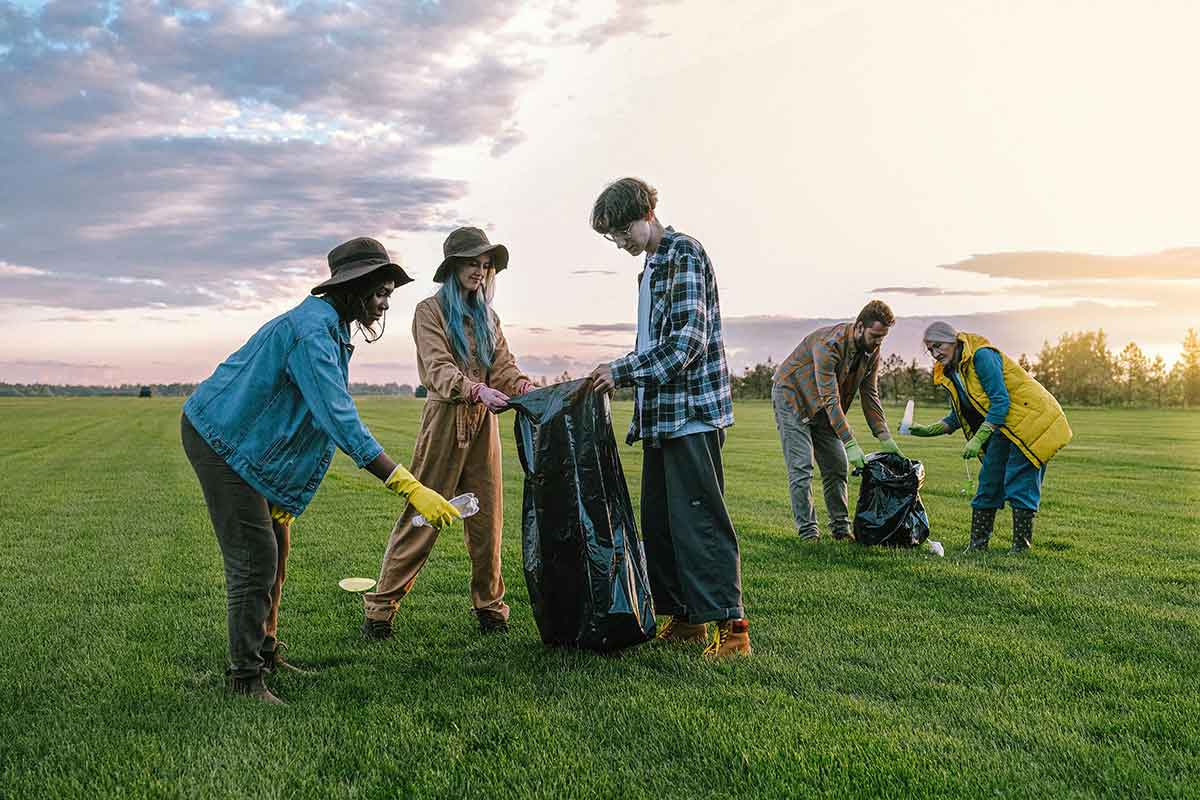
x: 855, y: 454
x: 936, y: 429
x: 428, y: 503
x: 889, y: 445
x: 975, y: 444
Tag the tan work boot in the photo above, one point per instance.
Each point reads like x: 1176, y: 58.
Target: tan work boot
x: 678, y: 630
x: 255, y: 688
x: 732, y: 638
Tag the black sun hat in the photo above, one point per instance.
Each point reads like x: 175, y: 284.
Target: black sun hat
x: 356, y: 258
x: 468, y: 243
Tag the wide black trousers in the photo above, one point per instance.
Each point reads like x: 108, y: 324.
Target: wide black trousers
x: 691, y: 548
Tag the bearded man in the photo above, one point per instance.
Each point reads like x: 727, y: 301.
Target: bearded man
x: 811, y: 392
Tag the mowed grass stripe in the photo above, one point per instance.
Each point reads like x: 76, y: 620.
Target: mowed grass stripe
x: 1069, y: 672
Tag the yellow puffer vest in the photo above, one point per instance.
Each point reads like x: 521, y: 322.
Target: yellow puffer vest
x: 1035, y: 422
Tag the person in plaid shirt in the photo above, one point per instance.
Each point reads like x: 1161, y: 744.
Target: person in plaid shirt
x: 683, y: 406
x: 811, y: 392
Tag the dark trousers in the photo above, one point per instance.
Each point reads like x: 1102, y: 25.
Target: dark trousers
x: 691, y: 548
x: 253, y: 547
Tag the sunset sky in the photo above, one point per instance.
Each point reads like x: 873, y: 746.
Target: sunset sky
x: 174, y: 173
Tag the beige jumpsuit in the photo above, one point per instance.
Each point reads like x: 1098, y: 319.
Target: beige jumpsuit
x: 457, y: 451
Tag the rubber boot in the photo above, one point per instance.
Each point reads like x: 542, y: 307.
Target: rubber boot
x: 982, y: 520
x: 1022, y: 529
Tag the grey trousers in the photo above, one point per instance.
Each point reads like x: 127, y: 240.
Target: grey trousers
x: 692, y: 555
x: 254, y: 548
x: 806, y: 441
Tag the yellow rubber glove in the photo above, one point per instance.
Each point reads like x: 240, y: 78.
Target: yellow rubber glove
x: 975, y: 444
x: 889, y: 445
x: 855, y: 454
x: 281, y: 516
x: 428, y: 503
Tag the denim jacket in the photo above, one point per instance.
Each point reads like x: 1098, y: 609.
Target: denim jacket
x: 275, y: 409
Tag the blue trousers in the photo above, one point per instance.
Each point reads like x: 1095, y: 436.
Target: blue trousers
x: 1007, y: 474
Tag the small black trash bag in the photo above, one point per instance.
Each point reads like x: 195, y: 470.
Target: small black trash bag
x: 889, y: 509
x: 584, y: 563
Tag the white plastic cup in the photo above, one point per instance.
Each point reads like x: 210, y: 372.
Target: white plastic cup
x: 467, y: 505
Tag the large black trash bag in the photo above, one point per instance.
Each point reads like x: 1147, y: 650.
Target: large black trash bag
x: 889, y: 509
x: 584, y: 563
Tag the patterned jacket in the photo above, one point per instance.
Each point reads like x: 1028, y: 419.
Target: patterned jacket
x: 825, y: 371
x: 684, y: 374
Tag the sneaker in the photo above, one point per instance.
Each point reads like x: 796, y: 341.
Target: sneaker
x: 377, y: 630
x: 253, y: 687
x: 274, y: 660
x: 491, y: 622
x: 732, y: 638
x: 678, y: 630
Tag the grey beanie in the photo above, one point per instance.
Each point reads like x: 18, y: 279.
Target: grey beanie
x: 940, y: 332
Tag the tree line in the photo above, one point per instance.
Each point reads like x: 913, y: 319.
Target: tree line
x: 1079, y: 369
x: 174, y: 390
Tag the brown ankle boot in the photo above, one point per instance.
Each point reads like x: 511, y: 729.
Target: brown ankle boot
x: 274, y: 659
x: 732, y: 638
x: 255, y: 688
x: 678, y: 630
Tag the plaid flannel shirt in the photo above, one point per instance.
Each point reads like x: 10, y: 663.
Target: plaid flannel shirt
x: 824, y: 372
x: 684, y: 374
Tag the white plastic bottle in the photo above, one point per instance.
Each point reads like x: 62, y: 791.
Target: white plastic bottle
x: 906, y: 422
x: 467, y: 505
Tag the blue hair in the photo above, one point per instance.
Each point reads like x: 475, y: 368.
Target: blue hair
x: 475, y: 308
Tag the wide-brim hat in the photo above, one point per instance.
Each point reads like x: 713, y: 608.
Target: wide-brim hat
x: 468, y: 243
x: 356, y: 258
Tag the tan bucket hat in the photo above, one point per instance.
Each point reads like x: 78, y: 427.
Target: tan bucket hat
x: 468, y: 243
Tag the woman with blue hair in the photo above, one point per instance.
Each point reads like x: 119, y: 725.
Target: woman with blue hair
x: 464, y: 362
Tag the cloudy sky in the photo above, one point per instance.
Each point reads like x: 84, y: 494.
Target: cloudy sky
x: 174, y: 173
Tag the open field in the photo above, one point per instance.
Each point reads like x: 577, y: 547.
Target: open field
x: 1068, y: 672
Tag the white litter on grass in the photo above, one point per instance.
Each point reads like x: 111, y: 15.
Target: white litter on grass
x: 936, y: 548
x: 356, y: 584
x: 906, y: 423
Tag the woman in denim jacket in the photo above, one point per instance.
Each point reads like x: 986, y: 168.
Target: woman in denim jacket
x: 260, y: 433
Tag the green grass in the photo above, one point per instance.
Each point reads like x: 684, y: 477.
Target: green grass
x: 1069, y: 672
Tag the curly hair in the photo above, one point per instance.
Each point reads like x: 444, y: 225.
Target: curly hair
x: 876, y: 311
x: 349, y: 299
x: 621, y: 203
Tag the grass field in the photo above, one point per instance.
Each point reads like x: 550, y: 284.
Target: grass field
x: 1069, y: 672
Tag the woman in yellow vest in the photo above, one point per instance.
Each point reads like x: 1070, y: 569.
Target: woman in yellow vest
x: 990, y: 392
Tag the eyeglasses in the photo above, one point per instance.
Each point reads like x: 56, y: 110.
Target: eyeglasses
x: 617, y: 237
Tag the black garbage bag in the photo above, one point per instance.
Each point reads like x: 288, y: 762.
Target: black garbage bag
x: 889, y: 509
x: 584, y: 562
